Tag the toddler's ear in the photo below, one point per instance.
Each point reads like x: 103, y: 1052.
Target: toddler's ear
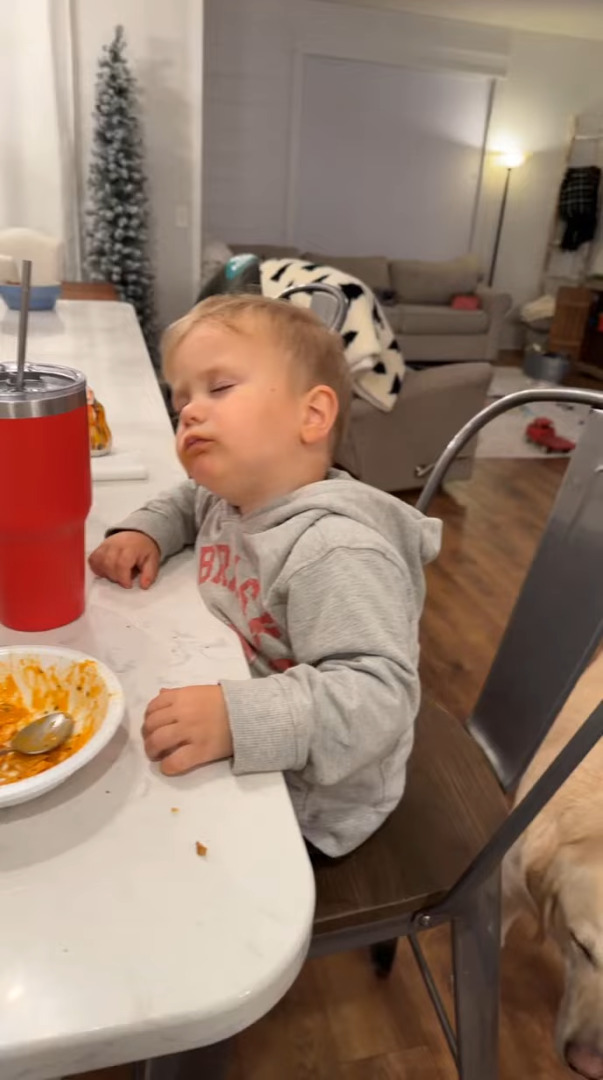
x: 320, y: 408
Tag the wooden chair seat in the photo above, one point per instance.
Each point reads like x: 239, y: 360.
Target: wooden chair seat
x: 451, y: 806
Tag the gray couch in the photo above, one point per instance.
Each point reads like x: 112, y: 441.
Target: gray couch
x: 394, y: 451
x: 427, y: 328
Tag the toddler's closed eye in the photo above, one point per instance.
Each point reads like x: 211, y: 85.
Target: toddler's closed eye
x: 221, y: 388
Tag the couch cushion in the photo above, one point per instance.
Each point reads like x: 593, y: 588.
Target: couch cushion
x: 394, y: 314
x: 417, y: 282
x: 436, y: 319
x: 266, y: 251
x: 373, y: 270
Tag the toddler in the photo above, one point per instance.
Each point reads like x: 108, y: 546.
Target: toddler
x: 320, y: 576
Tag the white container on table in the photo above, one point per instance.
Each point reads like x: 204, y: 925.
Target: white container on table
x: 124, y: 943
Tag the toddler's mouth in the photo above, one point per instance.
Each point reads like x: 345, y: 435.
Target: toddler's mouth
x: 195, y: 442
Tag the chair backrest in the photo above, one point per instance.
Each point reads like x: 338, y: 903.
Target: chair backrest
x: 327, y: 301
x: 556, y: 624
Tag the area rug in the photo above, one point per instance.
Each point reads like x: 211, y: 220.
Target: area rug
x: 505, y: 436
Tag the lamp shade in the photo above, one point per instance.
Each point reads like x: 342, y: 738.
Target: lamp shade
x: 512, y: 159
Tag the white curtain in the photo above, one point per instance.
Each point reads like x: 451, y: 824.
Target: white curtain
x: 39, y: 184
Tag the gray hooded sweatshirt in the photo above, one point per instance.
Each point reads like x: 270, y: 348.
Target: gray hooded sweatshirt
x: 324, y: 588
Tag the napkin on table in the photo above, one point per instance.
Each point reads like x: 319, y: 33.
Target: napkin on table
x: 118, y: 466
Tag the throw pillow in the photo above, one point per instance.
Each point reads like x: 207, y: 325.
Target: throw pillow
x: 465, y: 302
x: 214, y: 256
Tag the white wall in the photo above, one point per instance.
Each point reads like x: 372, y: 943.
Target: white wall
x: 249, y: 64
x: 549, y: 80
x: 165, y: 44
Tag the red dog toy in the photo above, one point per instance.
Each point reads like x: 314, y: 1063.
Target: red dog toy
x: 541, y: 432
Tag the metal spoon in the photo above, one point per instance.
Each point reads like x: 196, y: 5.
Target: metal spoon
x: 42, y: 735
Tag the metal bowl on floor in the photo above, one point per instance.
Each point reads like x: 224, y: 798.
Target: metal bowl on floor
x: 545, y: 366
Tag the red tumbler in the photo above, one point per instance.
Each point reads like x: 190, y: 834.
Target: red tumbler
x: 45, y: 496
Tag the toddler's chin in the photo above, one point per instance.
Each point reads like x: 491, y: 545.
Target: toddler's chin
x: 205, y: 478
x: 199, y: 475
x: 196, y: 467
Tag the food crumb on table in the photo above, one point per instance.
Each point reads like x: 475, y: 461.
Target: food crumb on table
x: 175, y: 810
x: 200, y: 848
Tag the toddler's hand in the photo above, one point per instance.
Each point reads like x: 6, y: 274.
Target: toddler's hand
x: 187, y: 727
x: 125, y: 554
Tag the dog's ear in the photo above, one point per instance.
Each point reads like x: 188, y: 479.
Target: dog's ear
x: 540, y: 886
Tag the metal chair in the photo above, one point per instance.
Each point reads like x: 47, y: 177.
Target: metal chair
x: 437, y: 858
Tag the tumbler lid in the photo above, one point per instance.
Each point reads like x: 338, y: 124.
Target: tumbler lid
x: 47, y: 390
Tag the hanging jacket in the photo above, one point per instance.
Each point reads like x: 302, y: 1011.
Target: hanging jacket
x: 579, y: 205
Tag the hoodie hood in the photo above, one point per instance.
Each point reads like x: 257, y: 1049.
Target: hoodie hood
x: 401, y: 526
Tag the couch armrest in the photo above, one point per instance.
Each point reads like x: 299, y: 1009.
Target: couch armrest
x: 385, y: 449
x: 496, y: 305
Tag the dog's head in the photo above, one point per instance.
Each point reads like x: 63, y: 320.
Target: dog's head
x: 568, y: 894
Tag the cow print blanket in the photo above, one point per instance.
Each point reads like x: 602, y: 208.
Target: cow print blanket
x: 374, y: 356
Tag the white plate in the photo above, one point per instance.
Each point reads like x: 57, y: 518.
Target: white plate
x: 110, y: 709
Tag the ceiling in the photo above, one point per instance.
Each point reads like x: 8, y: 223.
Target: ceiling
x: 572, y: 18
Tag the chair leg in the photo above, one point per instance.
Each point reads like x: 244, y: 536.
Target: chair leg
x: 476, y: 962
x: 383, y: 955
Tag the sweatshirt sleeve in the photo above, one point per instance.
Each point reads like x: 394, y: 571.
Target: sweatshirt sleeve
x: 170, y: 519
x: 352, y: 618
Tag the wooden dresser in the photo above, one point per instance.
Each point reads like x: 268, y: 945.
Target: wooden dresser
x: 577, y: 329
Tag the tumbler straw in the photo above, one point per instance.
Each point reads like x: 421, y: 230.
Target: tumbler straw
x: 23, y: 317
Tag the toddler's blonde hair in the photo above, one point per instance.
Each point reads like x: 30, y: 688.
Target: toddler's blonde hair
x: 315, y: 354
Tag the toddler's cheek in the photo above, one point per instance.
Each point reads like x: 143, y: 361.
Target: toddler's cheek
x: 181, y: 455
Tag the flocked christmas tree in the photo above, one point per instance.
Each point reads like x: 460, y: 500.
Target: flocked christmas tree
x: 117, y: 232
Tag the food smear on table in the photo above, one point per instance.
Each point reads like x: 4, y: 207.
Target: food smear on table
x: 28, y: 691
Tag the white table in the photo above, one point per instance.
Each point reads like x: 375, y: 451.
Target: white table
x: 117, y: 941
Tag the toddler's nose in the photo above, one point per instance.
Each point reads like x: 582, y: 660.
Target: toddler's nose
x: 195, y: 412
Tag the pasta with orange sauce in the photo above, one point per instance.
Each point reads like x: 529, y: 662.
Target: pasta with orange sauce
x: 49, y: 692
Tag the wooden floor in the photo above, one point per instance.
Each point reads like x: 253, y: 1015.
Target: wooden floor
x: 339, y: 1022
x: 492, y: 525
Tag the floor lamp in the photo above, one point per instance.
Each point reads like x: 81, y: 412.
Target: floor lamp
x: 511, y: 160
